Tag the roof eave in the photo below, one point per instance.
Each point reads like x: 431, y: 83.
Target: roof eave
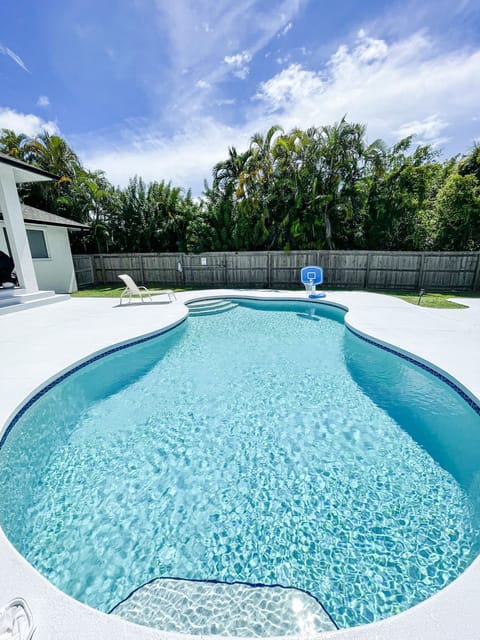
x: 75, y: 227
x: 25, y: 172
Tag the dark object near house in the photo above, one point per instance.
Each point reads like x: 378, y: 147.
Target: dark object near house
x: 6, y: 267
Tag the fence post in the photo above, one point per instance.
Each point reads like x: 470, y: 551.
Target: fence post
x: 102, y: 267
x: 92, y: 270
x: 269, y: 270
x: 476, y: 278
x: 367, y: 271
x: 142, y: 272
x: 421, y: 273
x: 319, y: 263
x: 225, y: 270
x: 183, y: 275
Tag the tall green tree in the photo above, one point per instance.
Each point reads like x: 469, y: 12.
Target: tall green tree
x: 403, y: 187
x: 457, y: 214
x: 324, y: 187
x: 13, y: 144
x: 53, y: 154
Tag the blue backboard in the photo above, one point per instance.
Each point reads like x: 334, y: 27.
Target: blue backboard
x: 311, y: 275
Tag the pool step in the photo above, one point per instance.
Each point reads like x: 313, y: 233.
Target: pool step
x: 16, y: 299
x: 210, y: 307
x: 227, y: 609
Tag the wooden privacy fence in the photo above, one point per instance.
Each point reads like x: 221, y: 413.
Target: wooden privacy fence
x: 277, y: 269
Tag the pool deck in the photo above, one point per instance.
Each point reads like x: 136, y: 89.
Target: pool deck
x: 37, y: 344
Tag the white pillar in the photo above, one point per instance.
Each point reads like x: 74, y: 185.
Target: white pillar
x: 15, y: 225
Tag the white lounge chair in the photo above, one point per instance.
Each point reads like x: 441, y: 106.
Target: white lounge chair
x: 16, y: 621
x: 132, y: 289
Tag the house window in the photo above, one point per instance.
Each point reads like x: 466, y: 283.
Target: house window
x: 38, y: 246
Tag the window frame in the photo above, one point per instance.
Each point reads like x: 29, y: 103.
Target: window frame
x: 45, y: 242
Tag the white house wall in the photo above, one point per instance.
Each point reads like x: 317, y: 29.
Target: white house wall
x: 57, y: 271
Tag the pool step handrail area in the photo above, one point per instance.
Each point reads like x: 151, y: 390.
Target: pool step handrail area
x: 16, y: 621
x: 210, y: 307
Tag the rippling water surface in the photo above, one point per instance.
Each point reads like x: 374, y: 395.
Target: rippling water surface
x: 263, y: 445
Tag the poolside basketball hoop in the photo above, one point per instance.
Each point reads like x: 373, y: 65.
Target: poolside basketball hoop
x: 310, y: 277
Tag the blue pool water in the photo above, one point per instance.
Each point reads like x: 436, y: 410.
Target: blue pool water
x: 264, y: 445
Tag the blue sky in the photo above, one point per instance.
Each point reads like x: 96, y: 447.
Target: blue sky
x: 162, y: 88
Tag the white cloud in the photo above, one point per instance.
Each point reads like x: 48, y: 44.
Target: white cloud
x: 239, y: 62
x: 396, y: 88
x: 285, y: 29
x: 242, y: 73
x: 16, y: 58
x: 429, y: 128
x: 43, y: 101
x: 246, y: 27
x: 370, y: 49
x: 289, y: 87
x: 27, y: 123
x: 239, y: 59
x: 186, y: 159
x: 393, y: 88
x: 201, y: 84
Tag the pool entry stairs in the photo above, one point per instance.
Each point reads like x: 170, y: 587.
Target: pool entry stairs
x: 224, y: 608
x: 16, y: 299
x: 211, y: 307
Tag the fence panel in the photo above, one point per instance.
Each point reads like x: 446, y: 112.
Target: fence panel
x: 246, y: 269
x: 450, y: 271
x: 205, y: 270
x: 84, y: 270
x: 163, y: 269
x: 285, y: 267
x: 394, y: 270
x: 342, y: 269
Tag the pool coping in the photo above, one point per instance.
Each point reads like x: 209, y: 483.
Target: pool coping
x: 450, y: 613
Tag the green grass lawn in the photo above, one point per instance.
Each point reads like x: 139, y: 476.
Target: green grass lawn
x: 102, y: 291
x: 112, y: 291
x: 437, y: 300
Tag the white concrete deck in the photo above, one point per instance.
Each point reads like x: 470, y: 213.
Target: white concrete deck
x: 36, y: 345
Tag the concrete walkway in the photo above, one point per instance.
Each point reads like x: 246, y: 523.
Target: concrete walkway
x: 37, y: 344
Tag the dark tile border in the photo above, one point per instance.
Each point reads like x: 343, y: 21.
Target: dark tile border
x: 468, y: 399
x: 109, y: 351
x: 78, y: 367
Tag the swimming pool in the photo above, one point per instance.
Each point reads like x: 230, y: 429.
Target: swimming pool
x: 306, y: 492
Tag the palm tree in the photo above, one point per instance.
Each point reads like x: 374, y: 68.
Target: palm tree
x: 290, y: 190
x: 470, y: 164
x: 256, y: 189
x: 341, y: 151
x: 52, y: 153
x: 12, y: 143
x: 228, y: 171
